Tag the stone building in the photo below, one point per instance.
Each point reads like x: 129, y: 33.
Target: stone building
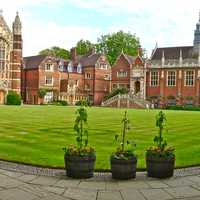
x: 10, y: 57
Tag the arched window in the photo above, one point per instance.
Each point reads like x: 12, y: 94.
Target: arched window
x: 2, y: 55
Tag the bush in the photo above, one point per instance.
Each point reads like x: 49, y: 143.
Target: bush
x: 59, y: 103
x: 13, y: 98
x: 186, y: 107
x: 83, y: 103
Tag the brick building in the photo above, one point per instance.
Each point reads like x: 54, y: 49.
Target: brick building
x: 173, y: 74
x: 82, y: 77
x: 170, y: 77
x: 10, y: 57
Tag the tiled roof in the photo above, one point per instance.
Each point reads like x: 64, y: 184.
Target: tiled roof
x: 33, y: 62
x: 173, y: 52
x: 89, y: 60
x: 131, y: 59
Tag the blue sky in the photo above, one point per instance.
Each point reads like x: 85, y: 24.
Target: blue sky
x: 62, y: 23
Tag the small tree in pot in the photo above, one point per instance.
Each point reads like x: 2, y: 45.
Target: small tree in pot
x: 124, y: 161
x: 160, y: 159
x: 80, y: 158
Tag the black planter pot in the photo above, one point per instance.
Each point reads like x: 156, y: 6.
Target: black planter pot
x: 79, y: 167
x: 160, y: 167
x: 123, y: 169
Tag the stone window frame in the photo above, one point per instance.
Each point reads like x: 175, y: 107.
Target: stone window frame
x: 154, y: 80
x: 189, y: 79
x: 3, y: 55
x: 88, y: 76
x: 171, y: 78
x: 49, y: 67
x: 47, y: 78
x: 122, y: 74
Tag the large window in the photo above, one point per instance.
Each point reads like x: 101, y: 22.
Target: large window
x: 154, y: 78
x: 171, y: 78
x: 189, y: 78
x: 2, y: 56
x: 122, y: 74
x: 49, y: 80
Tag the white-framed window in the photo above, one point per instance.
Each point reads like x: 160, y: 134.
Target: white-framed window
x: 189, y: 78
x: 88, y: 76
x: 70, y: 67
x: 79, y: 68
x: 49, y: 67
x: 49, y: 80
x: 171, y: 78
x: 154, y: 78
x: 121, y: 74
x: 48, y: 97
x: 103, y: 66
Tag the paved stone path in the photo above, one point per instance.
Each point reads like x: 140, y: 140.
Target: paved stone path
x: 19, y: 185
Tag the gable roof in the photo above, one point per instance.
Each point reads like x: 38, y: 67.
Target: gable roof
x: 33, y: 62
x: 89, y: 60
x: 173, y: 52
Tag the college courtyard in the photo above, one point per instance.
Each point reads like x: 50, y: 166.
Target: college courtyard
x: 32, y: 138
x: 99, y: 120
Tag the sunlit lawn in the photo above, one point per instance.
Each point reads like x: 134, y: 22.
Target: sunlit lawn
x: 37, y: 134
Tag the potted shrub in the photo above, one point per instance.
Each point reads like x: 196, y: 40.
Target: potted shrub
x: 160, y: 159
x: 123, y: 160
x: 80, y: 159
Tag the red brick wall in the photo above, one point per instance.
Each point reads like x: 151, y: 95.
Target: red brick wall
x: 180, y: 91
x: 121, y: 65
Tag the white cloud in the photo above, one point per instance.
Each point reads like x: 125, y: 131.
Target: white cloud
x: 169, y: 22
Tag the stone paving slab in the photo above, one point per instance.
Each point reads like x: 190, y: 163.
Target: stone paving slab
x: 19, y: 185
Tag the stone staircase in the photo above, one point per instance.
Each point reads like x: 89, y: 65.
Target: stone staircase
x: 126, y: 100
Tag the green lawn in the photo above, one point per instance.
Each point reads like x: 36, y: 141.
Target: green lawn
x: 37, y: 134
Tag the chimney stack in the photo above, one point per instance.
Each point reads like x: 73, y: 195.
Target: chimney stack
x: 73, y: 54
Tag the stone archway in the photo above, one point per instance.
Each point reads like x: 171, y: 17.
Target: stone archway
x: 137, y: 87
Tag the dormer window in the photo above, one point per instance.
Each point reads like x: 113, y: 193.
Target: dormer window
x: 49, y: 67
x: 70, y: 68
x: 79, y: 68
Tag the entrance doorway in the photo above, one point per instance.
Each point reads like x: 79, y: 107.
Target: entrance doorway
x: 137, y: 87
x: 2, y: 97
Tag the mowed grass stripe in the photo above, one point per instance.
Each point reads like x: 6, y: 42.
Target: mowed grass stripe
x: 37, y: 134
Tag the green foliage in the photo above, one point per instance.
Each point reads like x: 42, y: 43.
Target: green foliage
x: 13, y: 98
x: 83, y: 103
x: 115, y: 92
x: 57, y: 52
x: 59, y: 103
x: 113, y: 44
x: 42, y: 92
x: 125, y: 147
x: 84, y: 47
x: 186, y: 108
x: 80, y: 127
x: 160, y: 150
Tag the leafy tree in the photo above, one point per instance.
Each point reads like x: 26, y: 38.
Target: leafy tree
x: 113, y: 44
x: 84, y: 47
x: 56, y: 51
x: 42, y: 92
